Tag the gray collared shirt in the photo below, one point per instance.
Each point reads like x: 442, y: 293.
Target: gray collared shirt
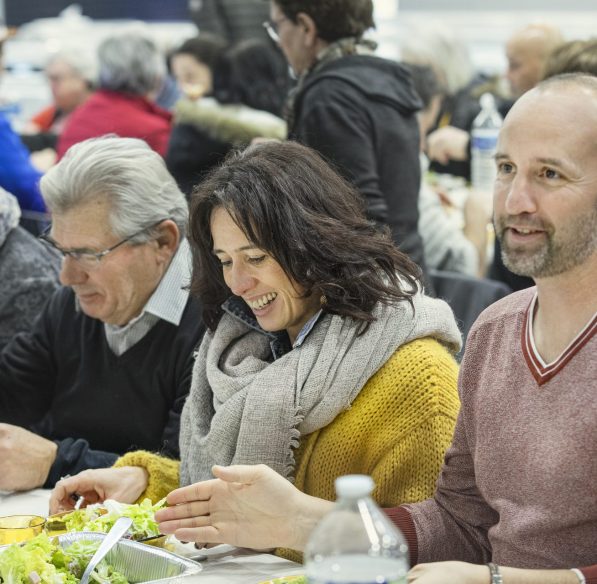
x: 167, y: 303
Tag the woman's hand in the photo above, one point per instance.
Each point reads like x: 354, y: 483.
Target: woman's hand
x: 125, y: 484
x: 246, y: 506
x: 449, y: 573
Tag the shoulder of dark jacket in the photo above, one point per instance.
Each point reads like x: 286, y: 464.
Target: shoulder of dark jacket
x: 375, y: 78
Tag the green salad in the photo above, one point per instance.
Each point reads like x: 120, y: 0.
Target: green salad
x: 101, y: 516
x: 42, y: 561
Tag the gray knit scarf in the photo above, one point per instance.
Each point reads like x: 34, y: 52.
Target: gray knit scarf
x: 244, y: 409
x: 336, y: 50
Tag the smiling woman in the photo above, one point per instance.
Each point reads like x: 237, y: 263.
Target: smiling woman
x: 323, y: 356
x: 251, y: 273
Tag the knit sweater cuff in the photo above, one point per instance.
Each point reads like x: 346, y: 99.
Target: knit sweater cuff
x: 590, y: 574
x: 163, y: 472
x: 404, y: 521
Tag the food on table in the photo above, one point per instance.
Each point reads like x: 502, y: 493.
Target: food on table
x: 101, y: 516
x: 41, y: 560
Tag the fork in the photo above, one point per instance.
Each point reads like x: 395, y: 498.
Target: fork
x: 113, y: 536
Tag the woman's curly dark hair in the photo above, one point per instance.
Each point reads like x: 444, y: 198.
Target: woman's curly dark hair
x: 289, y: 202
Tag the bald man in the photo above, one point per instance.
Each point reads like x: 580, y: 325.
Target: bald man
x: 527, y: 52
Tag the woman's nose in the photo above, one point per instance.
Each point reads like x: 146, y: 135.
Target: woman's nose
x: 239, y: 280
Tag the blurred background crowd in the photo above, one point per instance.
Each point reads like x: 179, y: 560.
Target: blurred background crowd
x: 291, y: 178
x: 199, y: 79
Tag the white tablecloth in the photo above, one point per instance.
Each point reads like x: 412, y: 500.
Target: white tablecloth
x: 225, y: 565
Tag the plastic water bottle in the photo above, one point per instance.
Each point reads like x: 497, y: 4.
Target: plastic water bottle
x: 356, y: 543
x: 484, y: 136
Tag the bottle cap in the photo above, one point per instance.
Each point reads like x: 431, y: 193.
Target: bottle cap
x: 354, y: 486
x: 487, y: 101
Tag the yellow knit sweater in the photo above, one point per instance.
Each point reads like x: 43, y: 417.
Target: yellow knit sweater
x: 396, y: 430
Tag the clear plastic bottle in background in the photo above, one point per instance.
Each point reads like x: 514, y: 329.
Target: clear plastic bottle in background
x: 484, y: 136
x: 356, y: 543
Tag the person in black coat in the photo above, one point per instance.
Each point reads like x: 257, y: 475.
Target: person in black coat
x: 234, y: 20
x: 356, y: 109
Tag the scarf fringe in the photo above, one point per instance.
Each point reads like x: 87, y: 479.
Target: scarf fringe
x: 294, y: 442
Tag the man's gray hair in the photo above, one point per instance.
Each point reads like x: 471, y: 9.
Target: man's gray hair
x: 438, y: 46
x: 82, y: 61
x: 128, y: 173
x: 130, y: 63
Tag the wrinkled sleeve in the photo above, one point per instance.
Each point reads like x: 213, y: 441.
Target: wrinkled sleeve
x: 73, y: 456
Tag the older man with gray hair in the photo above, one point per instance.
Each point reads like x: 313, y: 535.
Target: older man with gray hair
x: 131, y: 71
x: 107, y: 366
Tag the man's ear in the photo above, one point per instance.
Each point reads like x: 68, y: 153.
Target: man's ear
x: 168, y: 238
x: 310, y: 28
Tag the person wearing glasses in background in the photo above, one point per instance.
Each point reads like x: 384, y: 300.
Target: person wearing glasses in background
x: 107, y: 365
x: 356, y: 109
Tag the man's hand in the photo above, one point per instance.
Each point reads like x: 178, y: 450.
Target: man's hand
x: 448, y: 143
x: 449, y: 573
x: 463, y: 573
x: 247, y: 506
x: 25, y: 458
x: 125, y: 484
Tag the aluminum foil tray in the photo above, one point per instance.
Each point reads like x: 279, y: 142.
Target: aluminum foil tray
x: 138, y: 562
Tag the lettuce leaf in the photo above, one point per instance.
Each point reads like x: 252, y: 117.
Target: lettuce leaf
x: 19, y: 562
x: 41, y: 559
x: 101, y: 516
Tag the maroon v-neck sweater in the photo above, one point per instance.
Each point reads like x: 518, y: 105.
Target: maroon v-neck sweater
x: 519, y: 483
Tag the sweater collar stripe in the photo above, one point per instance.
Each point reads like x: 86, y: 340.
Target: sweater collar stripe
x: 541, y: 371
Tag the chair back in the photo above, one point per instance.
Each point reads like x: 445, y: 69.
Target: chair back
x: 467, y: 296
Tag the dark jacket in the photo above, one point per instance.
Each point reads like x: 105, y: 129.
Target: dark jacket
x: 61, y: 380
x: 235, y: 20
x: 205, y: 131
x: 359, y: 113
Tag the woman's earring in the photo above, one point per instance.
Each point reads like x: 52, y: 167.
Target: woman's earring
x: 323, y: 300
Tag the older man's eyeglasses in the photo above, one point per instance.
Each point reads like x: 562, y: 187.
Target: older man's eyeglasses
x: 87, y: 258
x: 272, y: 26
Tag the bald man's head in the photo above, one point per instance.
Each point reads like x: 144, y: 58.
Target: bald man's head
x: 527, y: 52
x: 545, y: 197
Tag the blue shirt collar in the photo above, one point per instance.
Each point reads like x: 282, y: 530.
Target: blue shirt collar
x: 278, y: 340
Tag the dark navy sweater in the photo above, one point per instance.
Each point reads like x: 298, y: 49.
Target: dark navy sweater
x: 62, y: 381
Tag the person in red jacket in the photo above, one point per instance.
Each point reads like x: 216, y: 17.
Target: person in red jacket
x: 131, y: 69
